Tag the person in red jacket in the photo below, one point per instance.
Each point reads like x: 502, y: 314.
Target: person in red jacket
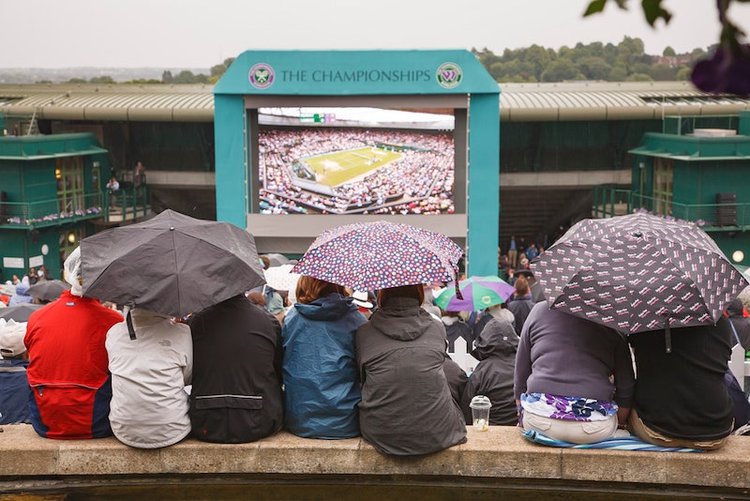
x: 68, y: 365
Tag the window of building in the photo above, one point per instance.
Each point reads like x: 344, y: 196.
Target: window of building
x: 663, y: 173
x: 70, y: 189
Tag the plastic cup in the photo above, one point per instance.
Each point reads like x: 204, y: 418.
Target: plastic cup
x: 480, y: 412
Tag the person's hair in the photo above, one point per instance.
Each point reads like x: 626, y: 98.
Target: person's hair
x: 309, y: 289
x: 256, y: 297
x: 412, y: 291
x: 522, y: 285
x: 266, y: 262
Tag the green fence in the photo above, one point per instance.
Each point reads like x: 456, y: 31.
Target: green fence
x: 609, y: 202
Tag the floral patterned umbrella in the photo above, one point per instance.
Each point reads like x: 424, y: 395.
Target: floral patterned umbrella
x: 378, y: 255
x: 478, y: 293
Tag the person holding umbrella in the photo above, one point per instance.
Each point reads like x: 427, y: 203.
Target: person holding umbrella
x: 681, y: 399
x: 562, y: 379
x: 68, y: 365
x: 151, y: 360
x: 321, y: 384
x: 407, y: 408
x: 175, y: 265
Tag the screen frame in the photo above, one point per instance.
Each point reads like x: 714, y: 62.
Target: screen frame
x: 294, y: 232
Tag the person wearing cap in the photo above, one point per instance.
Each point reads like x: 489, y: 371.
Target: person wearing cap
x: 14, y: 386
x: 21, y: 295
x: 321, y: 385
x: 151, y: 364
x: 68, y: 364
x: 361, y: 300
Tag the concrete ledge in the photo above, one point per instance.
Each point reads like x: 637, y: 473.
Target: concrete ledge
x: 500, y: 454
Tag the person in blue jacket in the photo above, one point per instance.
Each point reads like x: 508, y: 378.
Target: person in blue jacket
x: 321, y: 383
x: 14, y: 385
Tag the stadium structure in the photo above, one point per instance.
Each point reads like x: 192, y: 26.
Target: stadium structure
x: 558, y: 141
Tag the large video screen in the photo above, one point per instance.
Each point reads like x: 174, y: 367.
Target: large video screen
x: 355, y: 161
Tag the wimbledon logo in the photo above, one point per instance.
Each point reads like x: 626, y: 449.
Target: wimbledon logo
x: 261, y: 76
x: 449, y: 75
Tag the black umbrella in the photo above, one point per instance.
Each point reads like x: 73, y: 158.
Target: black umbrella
x: 638, y: 272
x: 171, y: 264
x: 48, y: 290
x: 19, y: 312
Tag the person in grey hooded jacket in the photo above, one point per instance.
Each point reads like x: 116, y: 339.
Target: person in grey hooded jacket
x: 493, y: 377
x: 406, y: 407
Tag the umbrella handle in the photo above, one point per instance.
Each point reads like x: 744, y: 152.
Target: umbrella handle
x: 459, y: 296
x: 129, y: 321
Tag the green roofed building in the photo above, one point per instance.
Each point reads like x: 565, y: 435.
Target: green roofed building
x: 698, y: 169
x: 51, y: 191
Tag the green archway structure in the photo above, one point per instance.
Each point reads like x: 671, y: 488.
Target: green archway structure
x: 261, y: 87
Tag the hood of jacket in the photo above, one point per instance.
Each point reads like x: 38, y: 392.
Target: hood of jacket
x: 497, y: 338
x: 734, y: 308
x: 331, y: 307
x: 402, y: 318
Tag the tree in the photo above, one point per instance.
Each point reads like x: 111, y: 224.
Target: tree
x: 167, y: 77
x: 562, y: 69
x: 102, y: 80
x: 668, y: 52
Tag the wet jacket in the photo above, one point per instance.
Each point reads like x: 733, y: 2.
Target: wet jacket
x: 236, y: 396
x: 14, y: 392
x: 521, y: 307
x: 68, y: 368
x: 682, y: 394
x: 149, y: 406
x: 321, y: 382
x: 406, y: 407
x: 493, y: 377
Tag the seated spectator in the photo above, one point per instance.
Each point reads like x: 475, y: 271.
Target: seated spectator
x: 21, y: 295
x: 681, y: 399
x: 236, y: 395
x: 574, y: 378
x: 406, y: 408
x: 455, y: 329
x: 521, y: 304
x: 456, y: 378
x: 68, y: 363
x: 150, y: 368
x: 321, y: 384
x: 493, y: 377
x: 14, y: 386
x: 740, y: 322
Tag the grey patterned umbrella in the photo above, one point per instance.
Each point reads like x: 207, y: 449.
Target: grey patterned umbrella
x: 20, y: 312
x: 638, y: 272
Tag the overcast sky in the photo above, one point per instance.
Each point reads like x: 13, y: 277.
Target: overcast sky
x: 201, y: 33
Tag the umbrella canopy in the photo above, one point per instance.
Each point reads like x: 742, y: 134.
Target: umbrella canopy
x: 281, y: 277
x: 377, y: 255
x: 48, y: 290
x: 638, y: 272
x: 19, y: 312
x: 277, y: 259
x: 478, y: 293
x: 171, y: 264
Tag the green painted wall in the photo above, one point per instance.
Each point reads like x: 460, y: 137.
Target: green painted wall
x: 699, y: 182
x: 730, y: 243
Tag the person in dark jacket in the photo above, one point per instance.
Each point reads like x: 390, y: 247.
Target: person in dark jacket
x: 493, y: 377
x: 741, y: 324
x: 14, y: 386
x: 321, y: 382
x: 681, y: 399
x: 522, y: 303
x: 406, y: 407
x: 456, y: 378
x: 236, y: 396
